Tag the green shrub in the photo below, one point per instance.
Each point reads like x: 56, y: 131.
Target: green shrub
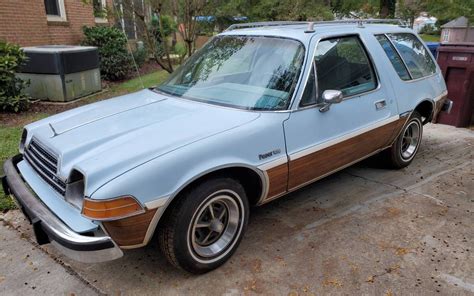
x: 12, y: 98
x: 429, y: 29
x: 181, y: 50
x: 140, y: 55
x: 115, y: 60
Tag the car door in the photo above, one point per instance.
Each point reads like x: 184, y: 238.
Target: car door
x: 318, y: 142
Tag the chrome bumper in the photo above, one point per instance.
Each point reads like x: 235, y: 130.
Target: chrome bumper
x: 49, y: 229
x: 447, y: 106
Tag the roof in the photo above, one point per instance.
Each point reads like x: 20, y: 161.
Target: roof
x: 301, y: 32
x: 460, y: 22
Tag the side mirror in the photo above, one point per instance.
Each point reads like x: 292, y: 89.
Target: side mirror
x: 330, y: 97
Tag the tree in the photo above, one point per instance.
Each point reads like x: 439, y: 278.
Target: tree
x: 154, y: 31
x: 186, y: 12
x: 410, y: 9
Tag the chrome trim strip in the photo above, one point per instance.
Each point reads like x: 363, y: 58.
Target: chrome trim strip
x: 443, y: 94
x: 335, y: 141
x: 32, y: 147
x: 271, y: 164
x: 159, y: 202
x: 44, y: 176
x: 48, y: 150
x: 38, y: 162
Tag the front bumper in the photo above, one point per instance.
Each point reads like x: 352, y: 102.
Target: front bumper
x: 50, y: 229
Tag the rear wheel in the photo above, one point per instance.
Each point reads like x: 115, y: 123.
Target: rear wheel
x: 406, y: 146
x: 205, y: 225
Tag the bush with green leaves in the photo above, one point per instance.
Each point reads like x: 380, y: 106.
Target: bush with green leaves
x: 140, y: 55
x: 12, y: 97
x: 115, y: 60
x: 429, y: 29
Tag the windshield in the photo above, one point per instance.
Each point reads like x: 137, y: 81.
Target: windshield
x: 247, y: 72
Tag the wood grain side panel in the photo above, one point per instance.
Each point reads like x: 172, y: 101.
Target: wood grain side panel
x: 437, y: 108
x: 319, y: 163
x: 278, y: 180
x: 130, y: 231
x: 398, y: 125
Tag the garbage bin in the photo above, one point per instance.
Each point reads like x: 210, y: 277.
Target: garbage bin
x: 433, y: 47
x: 457, y: 64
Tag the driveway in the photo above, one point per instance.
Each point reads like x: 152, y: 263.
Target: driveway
x: 364, y: 230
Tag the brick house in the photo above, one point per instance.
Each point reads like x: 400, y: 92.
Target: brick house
x: 40, y: 22
x: 457, y: 31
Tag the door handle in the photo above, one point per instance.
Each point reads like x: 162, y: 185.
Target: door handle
x: 380, y: 104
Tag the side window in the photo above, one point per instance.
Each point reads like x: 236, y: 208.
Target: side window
x: 414, y: 54
x: 342, y: 64
x: 309, y: 95
x: 394, y: 57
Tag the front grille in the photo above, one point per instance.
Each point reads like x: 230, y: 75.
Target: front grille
x: 45, y: 163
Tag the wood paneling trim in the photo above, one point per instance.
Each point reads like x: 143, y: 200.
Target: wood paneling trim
x: 437, y: 108
x: 130, y: 231
x: 297, y: 172
x: 277, y: 180
x: 310, y: 167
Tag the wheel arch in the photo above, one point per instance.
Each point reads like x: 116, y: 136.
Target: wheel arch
x: 426, y: 109
x: 252, y: 179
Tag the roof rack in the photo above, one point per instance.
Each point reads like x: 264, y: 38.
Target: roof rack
x: 360, y: 23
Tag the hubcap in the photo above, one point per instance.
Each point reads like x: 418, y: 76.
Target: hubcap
x: 215, y: 226
x: 410, y: 140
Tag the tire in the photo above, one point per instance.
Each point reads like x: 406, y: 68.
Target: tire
x: 189, y: 237
x: 405, y: 147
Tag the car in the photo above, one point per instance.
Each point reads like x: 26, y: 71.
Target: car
x: 261, y: 110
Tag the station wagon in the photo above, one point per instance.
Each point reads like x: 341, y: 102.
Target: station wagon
x: 261, y: 110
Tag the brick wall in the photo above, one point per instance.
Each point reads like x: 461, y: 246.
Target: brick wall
x: 24, y: 22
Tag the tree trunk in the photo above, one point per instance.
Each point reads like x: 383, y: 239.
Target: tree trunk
x: 384, y: 8
x: 189, y: 45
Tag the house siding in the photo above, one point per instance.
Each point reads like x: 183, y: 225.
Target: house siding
x: 24, y: 22
x: 457, y: 35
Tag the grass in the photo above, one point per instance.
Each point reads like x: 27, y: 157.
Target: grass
x: 10, y: 135
x: 430, y: 38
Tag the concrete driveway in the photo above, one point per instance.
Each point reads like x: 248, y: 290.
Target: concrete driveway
x: 365, y: 230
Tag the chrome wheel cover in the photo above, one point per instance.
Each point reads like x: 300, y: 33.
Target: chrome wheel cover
x: 411, y: 140
x: 215, y: 226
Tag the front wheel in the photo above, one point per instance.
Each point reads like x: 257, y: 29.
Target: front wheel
x: 402, y: 152
x: 205, y: 225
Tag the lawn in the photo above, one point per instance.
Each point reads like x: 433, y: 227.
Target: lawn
x: 430, y: 38
x: 11, y: 124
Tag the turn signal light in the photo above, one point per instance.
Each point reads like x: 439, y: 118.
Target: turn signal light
x: 111, y: 209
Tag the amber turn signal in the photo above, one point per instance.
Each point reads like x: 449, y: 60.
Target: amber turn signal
x: 111, y: 209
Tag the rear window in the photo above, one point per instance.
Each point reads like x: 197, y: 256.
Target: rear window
x: 414, y: 54
x: 393, y: 57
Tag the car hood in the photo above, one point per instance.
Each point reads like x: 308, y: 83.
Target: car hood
x: 105, y: 139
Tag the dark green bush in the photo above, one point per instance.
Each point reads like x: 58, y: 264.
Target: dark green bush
x: 12, y: 98
x: 429, y: 29
x: 115, y: 60
x: 140, y: 55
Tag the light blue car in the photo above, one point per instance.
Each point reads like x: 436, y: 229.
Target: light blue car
x: 261, y: 110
